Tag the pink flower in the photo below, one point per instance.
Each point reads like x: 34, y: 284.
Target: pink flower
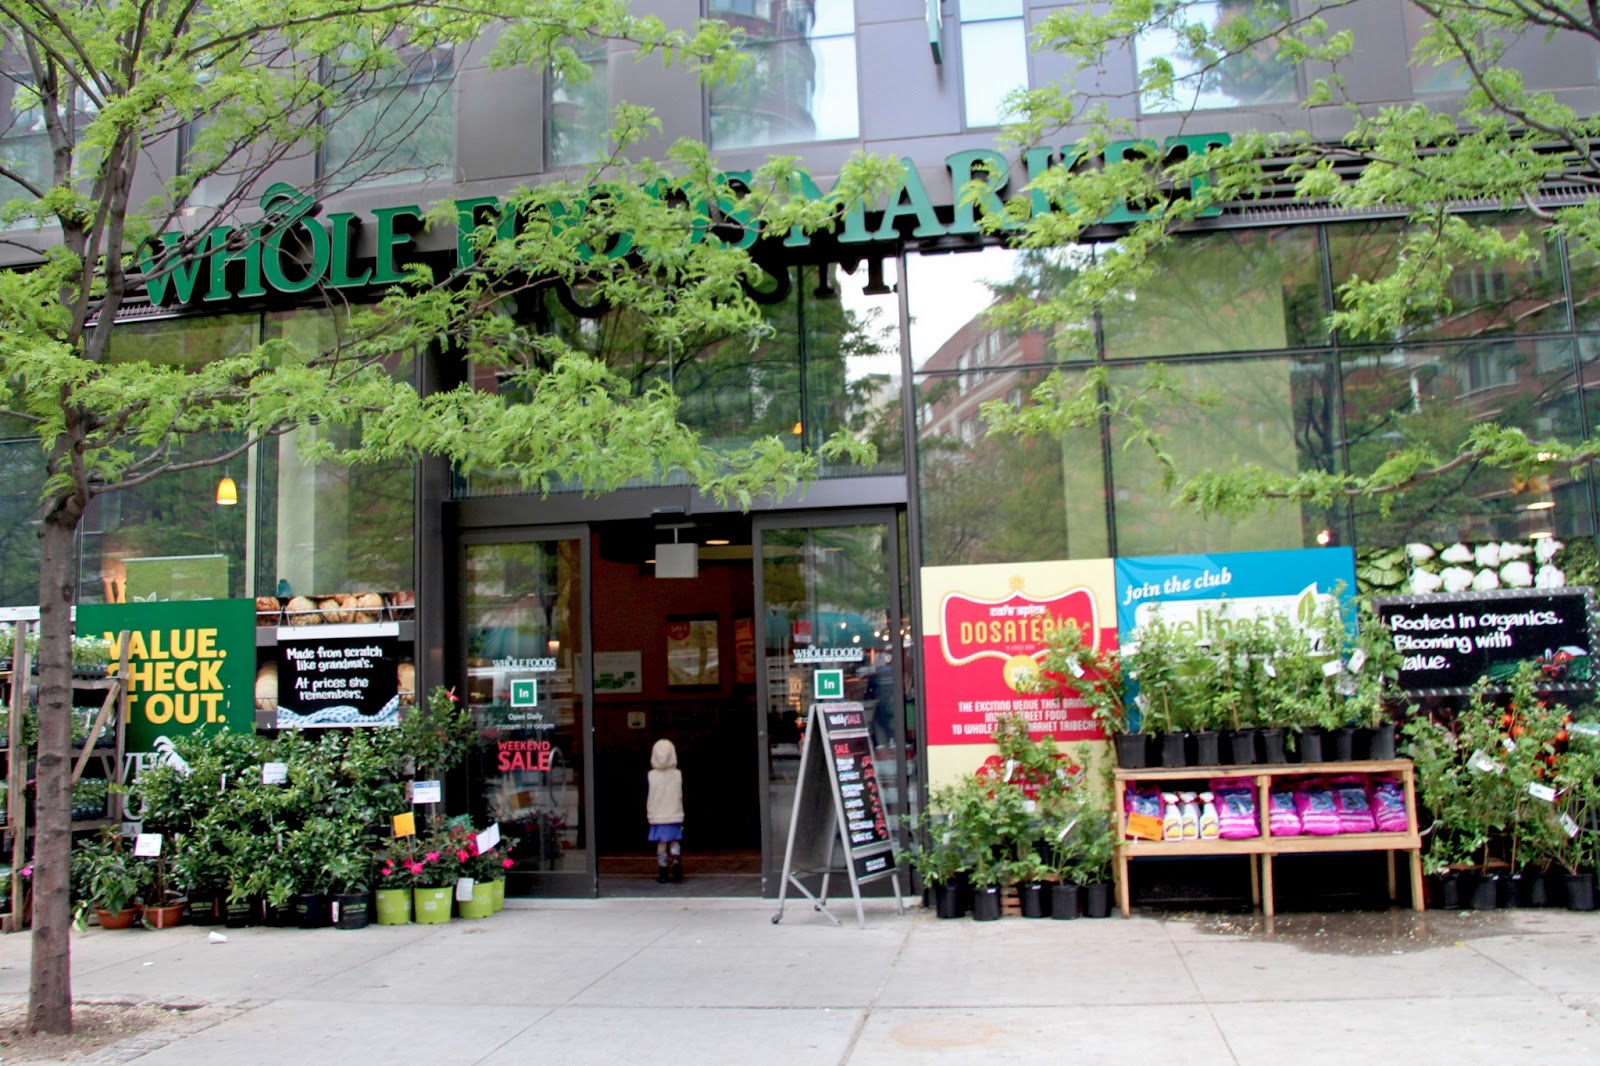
x: 462, y: 856
x: 27, y: 871
x: 386, y: 871
x: 432, y: 856
x: 414, y: 867
x: 452, y: 694
x: 507, y: 863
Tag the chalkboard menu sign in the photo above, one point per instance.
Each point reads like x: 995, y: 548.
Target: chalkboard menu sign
x: 1448, y: 641
x: 857, y: 821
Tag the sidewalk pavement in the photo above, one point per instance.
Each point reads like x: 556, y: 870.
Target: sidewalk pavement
x: 708, y: 981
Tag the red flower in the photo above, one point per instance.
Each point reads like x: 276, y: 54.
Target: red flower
x: 452, y: 694
x: 507, y: 863
x: 462, y: 856
x: 432, y: 856
x: 386, y: 871
x: 414, y: 867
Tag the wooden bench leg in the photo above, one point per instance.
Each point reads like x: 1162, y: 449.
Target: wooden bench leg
x: 1393, y: 887
x: 1266, y: 885
x: 1122, y: 883
x: 1418, y: 904
x: 1255, y: 882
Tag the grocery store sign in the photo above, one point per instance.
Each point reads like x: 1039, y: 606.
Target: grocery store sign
x: 293, y: 250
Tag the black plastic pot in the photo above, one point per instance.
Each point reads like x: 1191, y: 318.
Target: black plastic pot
x: 308, y: 910
x: 1272, y: 750
x: 947, y: 901
x: 1308, y: 744
x: 1207, y: 748
x: 1174, y: 752
x: 1534, y: 889
x: 352, y: 910
x: 1485, y: 894
x: 985, y: 903
x: 207, y: 910
x: 1341, y: 744
x: 1380, y: 744
x: 241, y: 913
x: 1446, y: 892
x: 1242, y: 747
x: 1031, y: 895
x: 1133, y: 751
x: 1063, y: 901
x: 1097, y: 900
x: 1580, y: 892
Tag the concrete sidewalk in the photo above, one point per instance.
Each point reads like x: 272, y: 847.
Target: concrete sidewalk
x: 714, y: 981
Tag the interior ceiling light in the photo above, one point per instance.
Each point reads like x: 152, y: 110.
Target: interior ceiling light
x: 227, y: 493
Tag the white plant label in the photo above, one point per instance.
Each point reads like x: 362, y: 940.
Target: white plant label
x: 1075, y: 667
x: 489, y: 837
x: 1481, y: 762
x: 1588, y: 729
x: 274, y: 773
x: 1358, y: 659
x: 1541, y: 792
x: 1142, y: 702
x: 425, y: 792
x: 1568, y: 824
x: 1332, y: 668
x: 1011, y: 768
x: 147, y: 845
x: 1508, y: 744
x: 464, y: 889
x: 1271, y: 671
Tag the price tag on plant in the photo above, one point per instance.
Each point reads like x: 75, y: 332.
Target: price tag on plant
x: 1508, y: 744
x: 425, y: 792
x: 274, y: 773
x: 1541, y: 792
x: 405, y: 825
x: 1588, y: 729
x: 1142, y: 702
x: 1332, y: 667
x: 1568, y: 824
x: 1075, y: 667
x: 1011, y: 768
x: 489, y: 837
x: 147, y: 845
x: 1481, y: 762
x: 1358, y: 659
x: 464, y: 889
x: 1268, y: 668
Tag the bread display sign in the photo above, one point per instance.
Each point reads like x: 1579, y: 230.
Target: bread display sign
x: 342, y: 674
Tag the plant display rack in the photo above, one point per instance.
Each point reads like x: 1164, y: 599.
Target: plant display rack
x: 1266, y: 845
x: 15, y: 828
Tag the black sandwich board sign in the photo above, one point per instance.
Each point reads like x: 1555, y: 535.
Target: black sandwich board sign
x: 1449, y: 641
x: 837, y: 746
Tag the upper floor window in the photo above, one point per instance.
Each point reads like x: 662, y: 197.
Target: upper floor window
x: 994, y: 57
x: 394, y: 124
x: 800, y: 84
x: 1205, y: 73
x: 580, y: 109
x: 24, y: 141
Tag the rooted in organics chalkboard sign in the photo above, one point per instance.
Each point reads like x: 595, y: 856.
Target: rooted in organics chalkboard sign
x: 1449, y: 641
x: 856, y: 821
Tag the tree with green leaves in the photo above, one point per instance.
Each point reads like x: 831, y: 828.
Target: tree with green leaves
x: 1490, y: 142
x: 102, y: 87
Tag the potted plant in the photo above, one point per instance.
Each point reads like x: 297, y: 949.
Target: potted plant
x: 107, y: 878
x: 199, y: 870
x: 397, y: 867
x: 163, y: 908
x: 1075, y: 665
x: 938, y: 855
x: 435, y: 881
x: 1092, y: 870
x: 1370, y: 691
x: 1162, y: 663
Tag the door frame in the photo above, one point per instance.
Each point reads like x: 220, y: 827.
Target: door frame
x: 761, y: 523
x: 563, y: 884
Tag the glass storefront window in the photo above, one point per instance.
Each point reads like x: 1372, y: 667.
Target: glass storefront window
x: 1278, y: 414
x: 1234, y: 291
x: 800, y: 84
x: 994, y: 57
x: 525, y: 680
x: 1432, y: 397
x: 1485, y: 298
x: 951, y: 296
x: 1002, y: 499
x: 1203, y: 77
x: 21, y: 477
x: 394, y: 126
x: 24, y: 142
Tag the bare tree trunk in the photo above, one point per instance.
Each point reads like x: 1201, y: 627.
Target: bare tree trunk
x: 50, y: 993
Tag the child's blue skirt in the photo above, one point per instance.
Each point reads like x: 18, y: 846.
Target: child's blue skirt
x: 662, y: 834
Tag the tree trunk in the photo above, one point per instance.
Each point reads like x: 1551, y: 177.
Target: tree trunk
x: 50, y: 993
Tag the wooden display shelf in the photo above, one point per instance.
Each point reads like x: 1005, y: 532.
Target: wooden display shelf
x: 1266, y: 845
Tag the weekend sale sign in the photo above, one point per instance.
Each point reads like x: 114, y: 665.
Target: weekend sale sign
x: 985, y: 629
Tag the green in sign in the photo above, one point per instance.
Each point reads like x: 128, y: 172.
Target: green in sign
x: 525, y: 692
x: 830, y: 684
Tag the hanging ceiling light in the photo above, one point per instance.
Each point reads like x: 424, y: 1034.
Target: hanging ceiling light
x: 227, y: 492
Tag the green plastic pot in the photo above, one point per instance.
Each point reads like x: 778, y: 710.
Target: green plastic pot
x: 394, y: 906
x: 481, y: 905
x: 431, y: 906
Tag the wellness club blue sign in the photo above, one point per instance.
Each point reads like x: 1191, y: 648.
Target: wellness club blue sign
x: 1211, y: 592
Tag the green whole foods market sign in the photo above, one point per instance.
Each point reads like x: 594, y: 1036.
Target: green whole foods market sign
x: 191, y: 668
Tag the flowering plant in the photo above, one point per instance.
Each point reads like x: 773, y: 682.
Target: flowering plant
x: 462, y: 844
x: 413, y: 862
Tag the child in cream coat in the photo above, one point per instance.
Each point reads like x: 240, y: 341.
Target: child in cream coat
x: 664, y: 811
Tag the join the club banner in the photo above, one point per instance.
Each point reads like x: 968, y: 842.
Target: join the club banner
x: 984, y: 630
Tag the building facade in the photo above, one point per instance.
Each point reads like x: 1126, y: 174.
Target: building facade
x: 629, y: 633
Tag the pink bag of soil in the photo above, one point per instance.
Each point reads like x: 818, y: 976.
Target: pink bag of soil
x: 1388, y: 801
x: 1350, y: 801
x: 1318, y: 815
x: 1236, y: 807
x: 1143, y: 801
x: 1281, y: 813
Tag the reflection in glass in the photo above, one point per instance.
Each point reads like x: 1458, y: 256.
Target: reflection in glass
x: 24, y: 141
x: 21, y: 477
x: 1499, y: 297
x: 1000, y: 499
x: 1278, y: 414
x: 1234, y: 291
x: 1431, y: 397
x: 580, y: 112
x: 1203, y: 76
x: 523, y: 623
x: 394, y: 126
x: 800, y: 84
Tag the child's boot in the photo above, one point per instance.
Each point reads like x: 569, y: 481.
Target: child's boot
x: 677, y: 869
